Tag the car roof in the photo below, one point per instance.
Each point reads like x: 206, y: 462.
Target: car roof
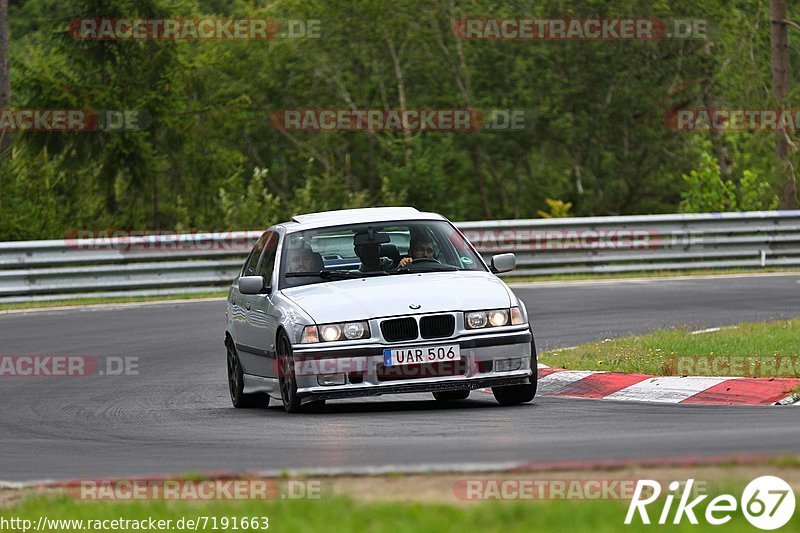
x: 356, y: 216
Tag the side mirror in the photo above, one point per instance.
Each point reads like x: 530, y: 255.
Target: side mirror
x: 504, y: 263
x: 251, y: 284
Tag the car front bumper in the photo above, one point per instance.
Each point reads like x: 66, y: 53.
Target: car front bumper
x: 476, y: 370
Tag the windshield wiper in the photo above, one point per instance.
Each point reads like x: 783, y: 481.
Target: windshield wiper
x: 335, y: 274
x: 421, y: 269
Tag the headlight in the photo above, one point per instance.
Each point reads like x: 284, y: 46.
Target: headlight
x: 491, y: 318
x: 498, y: 318
x: 336, y: 332
x: 354, y: 330
x: 476, y: 320
x: 331, y: 332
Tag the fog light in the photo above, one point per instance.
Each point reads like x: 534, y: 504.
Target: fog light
x: 330, y: 379
x: 507, y: 365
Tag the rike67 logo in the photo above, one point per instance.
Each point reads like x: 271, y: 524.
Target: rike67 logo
x: 767, y: 502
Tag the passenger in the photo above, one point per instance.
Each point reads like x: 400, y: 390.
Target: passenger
x: 419, y: 247
x: 301, y: 260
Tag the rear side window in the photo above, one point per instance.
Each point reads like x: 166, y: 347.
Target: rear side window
x: 252, y: 259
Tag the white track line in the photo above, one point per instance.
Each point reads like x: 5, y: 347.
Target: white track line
x: 109, y: 306
x: 707, y: 330
x: 711, y: 330
x: 533, y: 284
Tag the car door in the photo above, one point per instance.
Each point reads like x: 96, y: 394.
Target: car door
x: 258, y: 333
x: 237, y: 310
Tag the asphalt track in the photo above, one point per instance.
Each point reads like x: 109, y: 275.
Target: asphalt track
x: 175, y: 415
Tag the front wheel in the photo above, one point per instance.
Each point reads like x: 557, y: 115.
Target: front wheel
x: 286, y: 379
x: 239, y: 399
x: 516, y: 394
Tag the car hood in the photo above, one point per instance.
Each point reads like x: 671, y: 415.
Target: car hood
x: 365, y: 298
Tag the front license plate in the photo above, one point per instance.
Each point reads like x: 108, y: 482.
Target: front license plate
x: 423, y: 354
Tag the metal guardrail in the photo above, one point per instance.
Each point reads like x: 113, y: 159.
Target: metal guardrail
x: 191, y: 263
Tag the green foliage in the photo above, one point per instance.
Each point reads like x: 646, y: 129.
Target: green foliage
x: 249, y: 206
x: 707, y: 191
x: 557, y: 209
x: 594, y: 134
x: 755, y: 194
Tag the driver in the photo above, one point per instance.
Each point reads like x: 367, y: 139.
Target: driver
x: 419, y: 247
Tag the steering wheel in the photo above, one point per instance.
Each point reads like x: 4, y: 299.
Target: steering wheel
x: 426, y: 260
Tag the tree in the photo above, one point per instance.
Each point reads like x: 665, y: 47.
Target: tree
x: 5, y: 88
x: 779, y: 38
x: 5, y: 84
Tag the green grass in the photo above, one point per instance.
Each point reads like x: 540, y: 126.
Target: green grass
x: 109, y: 300
x: 339, y: 514
x: 673, y: 352
x: 650, y: 274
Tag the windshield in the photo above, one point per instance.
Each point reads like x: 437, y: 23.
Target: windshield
x: 385, y: 248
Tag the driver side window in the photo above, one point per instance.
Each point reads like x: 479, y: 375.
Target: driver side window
x: 252, y: 260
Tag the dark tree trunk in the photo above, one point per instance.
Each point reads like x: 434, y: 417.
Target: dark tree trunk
x: 779, y: 38
x: 5, y: 85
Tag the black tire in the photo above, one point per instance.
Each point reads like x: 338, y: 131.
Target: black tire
x: 239, y: 399
x: 517, y: 394
x: 514, y: 394
x: 286, y: 380
x: 450, y: 395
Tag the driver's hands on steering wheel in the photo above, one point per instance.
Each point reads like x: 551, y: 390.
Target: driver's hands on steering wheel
x: 407, y: 261
x: 404, y: 262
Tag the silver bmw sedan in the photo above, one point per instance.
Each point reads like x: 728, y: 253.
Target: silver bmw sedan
x: 364, y: 302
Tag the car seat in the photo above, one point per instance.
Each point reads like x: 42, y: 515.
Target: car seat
x: 390, y: 250
x: 317, y: 263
